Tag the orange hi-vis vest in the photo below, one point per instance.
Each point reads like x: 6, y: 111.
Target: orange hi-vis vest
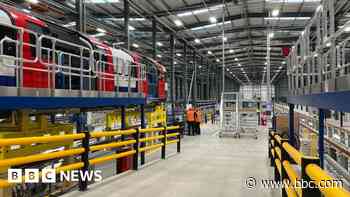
x: 198, y: 117
x: 190, y: 115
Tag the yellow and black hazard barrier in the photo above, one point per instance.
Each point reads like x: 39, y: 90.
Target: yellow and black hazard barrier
x: 134, y: 141
x: 293, y: 169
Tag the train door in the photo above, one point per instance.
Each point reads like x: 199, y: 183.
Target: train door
x: 104, y: 68
x: 126, y: 73
x: 7, y: 62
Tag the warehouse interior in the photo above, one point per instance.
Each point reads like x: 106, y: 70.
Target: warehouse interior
x: 174, y: 98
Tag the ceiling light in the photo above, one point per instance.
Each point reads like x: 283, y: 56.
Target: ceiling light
x: 293, y: 1
x: 159, y: 44
x: 101, y: 1
x: 275, y: 12
x: 209, y: 26
x: 265, y: 63
x: 217, y: 60
x: 287, y: 18
x: 231, y: 51
x: 135, y: 45
x: 328, y: 44
x: 347, y: 29
x: 280, y: 67
x: 209, y: 52
x: 197, y: 41
x: 178, y: 54
x: 101, y: 30
x: 283, y: 62
x: 239, y: 65
x: 224, y: 39
x: 236, y: 59
x: 33, y: 1
x: 178, y: 22
x: 160, y: 56
x: 212, y: 19
x: 228, y: 69
x: 175, y: 62
x: 98, y: 35
x: 71, y: 24
x: 271, y: 35
x: 200, y: 11
x: 131, y: 28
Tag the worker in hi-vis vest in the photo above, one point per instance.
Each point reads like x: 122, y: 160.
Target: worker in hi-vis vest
x: 190, y: 120
x: 197, y: 120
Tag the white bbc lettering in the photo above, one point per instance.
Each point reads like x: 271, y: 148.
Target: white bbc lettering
x: 14, y: 175
x: 31, y: 175
x: 48, y: 176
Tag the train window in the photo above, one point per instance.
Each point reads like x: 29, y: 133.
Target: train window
x: 32, y: 39
x: 7, y: 32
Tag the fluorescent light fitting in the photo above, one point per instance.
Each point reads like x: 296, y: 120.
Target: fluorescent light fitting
x: 101, y: 30
x: 197, y: 41
x: 209, y: 52
x: 231, y: 51
x: 228, y: 69
x: 271, y: 35
x: 239, y: 65
x: 159, y: 44
x: 275, y: 12
x: 200, y: 11
x: 217, y: 60
x: 236, y: 59
x: 175, y: 62
x: 347, y: 29
x: 33, y: 1
x: 135, y: 45
x: 287, y: 18
x: 178, y: 22
x: 98, y: 35
x: 71, y: 24
x: 178, y: 54
x: 283, y: 62
x: 212, y: 19
x: 101, y: 1
x: 224, y: 39
x: 131, y: 28
x: 160, y: 56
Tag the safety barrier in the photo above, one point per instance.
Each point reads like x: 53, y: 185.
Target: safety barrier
x: 300, y: 175
x: 136, y: 139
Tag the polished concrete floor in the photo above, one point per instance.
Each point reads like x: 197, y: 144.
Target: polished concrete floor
x: 208, y: 166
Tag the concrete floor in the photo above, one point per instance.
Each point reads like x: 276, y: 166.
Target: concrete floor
x: 208, y: 166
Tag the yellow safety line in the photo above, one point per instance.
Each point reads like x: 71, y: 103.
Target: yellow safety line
x: 152, y: 138
x: 278, y: 151
x: 112, y: 145
x: 148, y: 130
x: 150, y: 147
x: 320, y: 177
x: 42, y: 139
x: 39, y: 157
x: 172, y: 134
x: 171, y: 141
x: 289, y: 190
x: 99, y: 134
x: 293, y: 176
x: 172, y: 128
x: 111, y: 157
x: 293, y: 153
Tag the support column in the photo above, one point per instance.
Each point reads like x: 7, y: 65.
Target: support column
x: 208, y: 81
x: 195, y: 79
x: 186, y: 73
x: 321, y: 118
x: 172, y: 90
x: 81, y: 19
x: 341, y: 119
x: 154, y: 38
x: 291, y: 135
x: 126, y: 24
x: 142, y: 135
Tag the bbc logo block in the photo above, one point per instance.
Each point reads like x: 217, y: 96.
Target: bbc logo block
x: 31, y: 175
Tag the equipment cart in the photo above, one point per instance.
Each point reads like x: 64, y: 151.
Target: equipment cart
x: 229, y: 114
x: 248, y: 118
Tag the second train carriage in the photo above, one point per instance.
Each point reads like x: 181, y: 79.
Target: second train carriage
x: 41, y: 58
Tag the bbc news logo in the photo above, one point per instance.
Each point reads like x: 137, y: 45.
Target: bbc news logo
x: 49, y: 175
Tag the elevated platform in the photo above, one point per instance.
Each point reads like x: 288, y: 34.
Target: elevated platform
x: 22, y: 102
x: 338, y: 101
x: 208, y: 166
